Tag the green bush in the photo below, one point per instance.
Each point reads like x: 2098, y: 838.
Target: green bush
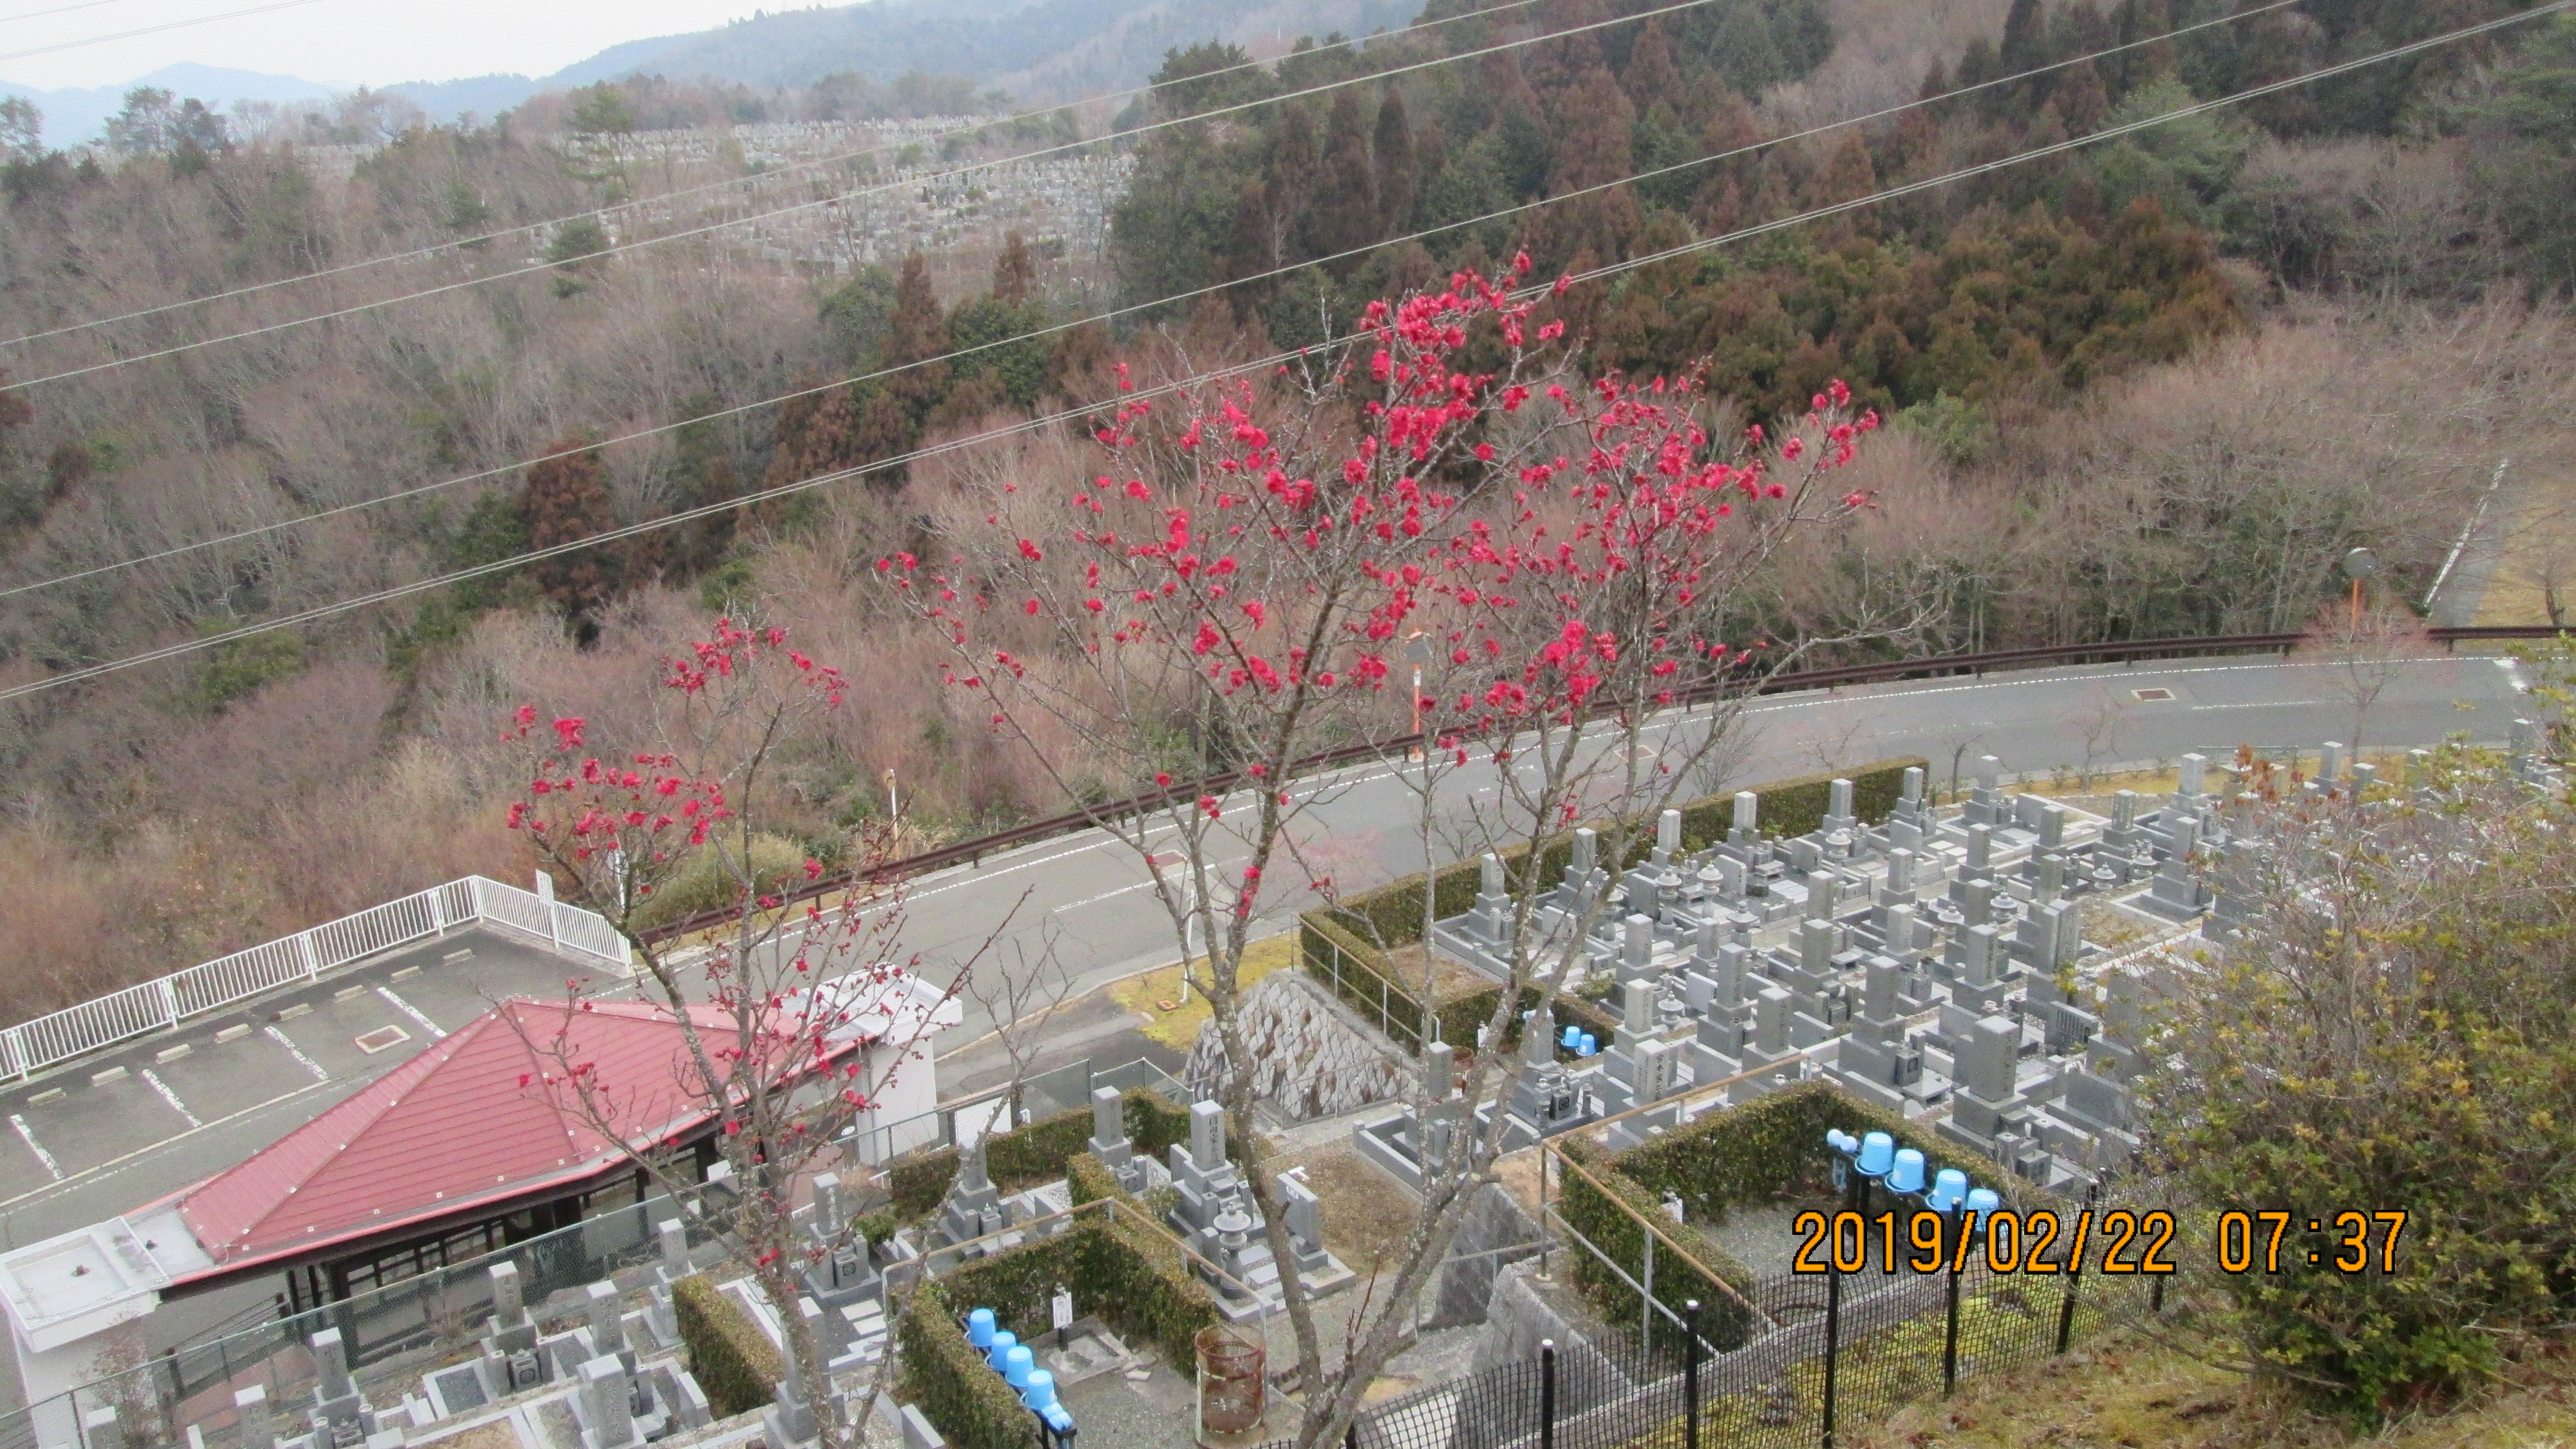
x: 731, y: 1358
x: 1026, y: 1156
x: 1729, y: 1157
x: 1143, y: 1274
x: 702, y: 883
x: 1133, y: 1277
x: 951, y: 1383
x: 2394, y: 1029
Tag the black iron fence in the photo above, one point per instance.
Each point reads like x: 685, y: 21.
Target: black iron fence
x: 1837, y: 1350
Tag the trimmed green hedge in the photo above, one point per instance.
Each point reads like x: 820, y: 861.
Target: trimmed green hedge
x: 1141, y: 1275
x: 1135, y: 1278
x: 951, y: 1383
x: 731, y: 1358
x: 1727, y: 1158
x: 1392, y: 913
x: 1026, y: 1156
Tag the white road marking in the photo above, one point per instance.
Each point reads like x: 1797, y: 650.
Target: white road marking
x: 414, y: 1012
x: 116, y: 1165
x: 170, y: 1097
x: 28, y: 1135
x: 310, y: 1065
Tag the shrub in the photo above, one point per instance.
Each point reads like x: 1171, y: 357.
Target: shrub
x: 1729, y: 1157
x: 1026, y: 1156
x: 2394, y: 1029
x: 731, y: 1358
x: 1132, y: 1276
x: 954, y: 1387
x: 704, y: 884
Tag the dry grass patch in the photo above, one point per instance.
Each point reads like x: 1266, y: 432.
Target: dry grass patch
x: 1368, y: 1216
x: 1178, y: 1027
x: 2133, y: 1392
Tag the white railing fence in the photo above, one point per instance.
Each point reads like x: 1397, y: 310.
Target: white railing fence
x: 161, y: 1005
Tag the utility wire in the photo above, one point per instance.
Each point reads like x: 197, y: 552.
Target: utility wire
x: 664, y: 198
x: 403, y: 591
x: 354, y: 309
x: 144, y: 29
x: 56, y: 10
x: 1133, y: 309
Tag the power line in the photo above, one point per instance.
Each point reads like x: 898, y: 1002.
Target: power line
x: 145, y: 29
x: 970, y: 168
x: 403, y: 591
x: 57, y: 10
x: 664, y: 198
x: 1132, y: 309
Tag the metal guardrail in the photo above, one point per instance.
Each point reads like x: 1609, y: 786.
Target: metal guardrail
x: 162, y: 1004
x: 966, y: 852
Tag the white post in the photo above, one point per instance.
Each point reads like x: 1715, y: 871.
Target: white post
x: 169, y: 1002
x: 546, y: 898
x: 312, y: 959
x: 437, y: 909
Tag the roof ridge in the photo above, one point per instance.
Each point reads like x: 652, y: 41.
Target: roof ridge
x: 365, y: 1107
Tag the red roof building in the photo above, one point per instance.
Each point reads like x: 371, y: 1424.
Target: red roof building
x: 465, y: 1133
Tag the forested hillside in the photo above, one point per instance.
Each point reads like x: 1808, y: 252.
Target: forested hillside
x: 2153, y: 386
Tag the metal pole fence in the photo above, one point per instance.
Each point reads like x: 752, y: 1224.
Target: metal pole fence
x: 1547, y: 1393
x: 1690, y: 1374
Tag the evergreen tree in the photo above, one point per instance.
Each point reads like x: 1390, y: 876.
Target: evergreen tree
x: 1560, y: 64
x: 1743, y: 50
x: 1848, y: 176
x: 855, y: 316
x: 1651, y: 76
x: 1293, y: 168
x: 916, y: 333
x: 1727, y: 189
x: 1397, y: 178
x: 567, y: 500
x: 1598, y: 149
x: 2025, y: 38
x: 1015, y: 272
x: 1344, y: 215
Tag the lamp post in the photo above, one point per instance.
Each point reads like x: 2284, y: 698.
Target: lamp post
x: 2359, y: 564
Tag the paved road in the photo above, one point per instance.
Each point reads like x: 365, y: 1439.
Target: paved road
x: 1088, y: 897
x: 1084, y: 901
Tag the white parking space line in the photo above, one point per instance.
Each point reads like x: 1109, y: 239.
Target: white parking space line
x: 27, y: 1134
x: 297, y: 1052
x: 171, y: 1097
x: 414, y: 1012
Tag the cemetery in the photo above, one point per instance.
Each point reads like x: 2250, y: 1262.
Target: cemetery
x: 1817, y: 992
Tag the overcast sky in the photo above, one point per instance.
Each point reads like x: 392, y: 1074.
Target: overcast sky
x: 338, y: 42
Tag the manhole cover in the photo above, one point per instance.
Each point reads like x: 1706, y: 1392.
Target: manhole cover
x: 381, y: 1038
x: 2151, y: 696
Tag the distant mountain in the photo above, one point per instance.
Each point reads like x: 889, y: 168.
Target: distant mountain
x: 482, y: 96
x: 75, y: 115
x: 1044, y: 52
x: 978, y: 39
x: 1127, y: 51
